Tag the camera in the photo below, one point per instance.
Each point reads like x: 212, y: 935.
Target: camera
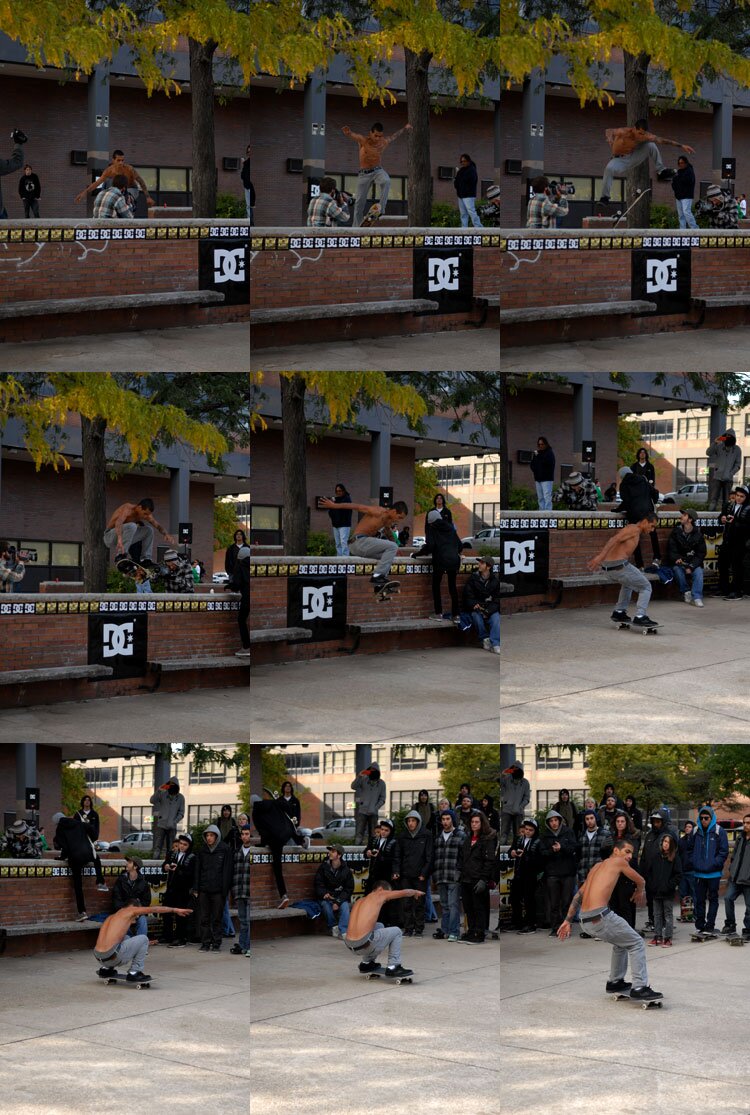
x: 562, y: 188
x: 19, y: 137
x: 343, y: 198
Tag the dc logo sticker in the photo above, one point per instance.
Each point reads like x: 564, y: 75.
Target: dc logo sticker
x: 117, y: 638
x: 314, y: 189
x: 661, y: 274
x: 317, y: 603
x: 442, y: 274
x: 229, y: 265
x: 519, y: 557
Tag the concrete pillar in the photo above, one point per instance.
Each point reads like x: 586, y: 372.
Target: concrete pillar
x: 496, y: 145
x: 179, y: 496
x: 718, y: 421
x: 314, y: 134
x: 362, y: 757
x: 532, y: 135
x: 507, y: 755
x: 97, y: 128
x: 722, y: 133
x: 26, y: 774
x: 380, y: 460
x: 583, y: 414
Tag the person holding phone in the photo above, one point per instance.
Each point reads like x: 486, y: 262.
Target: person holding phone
x: 465, y: 184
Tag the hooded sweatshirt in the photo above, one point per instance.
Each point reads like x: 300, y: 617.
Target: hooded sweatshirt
x: 213, y: 873
x: 413, y: 856
x: 369, y: 792
x: 724, y: 461
x: 74, y: 842
x: 169, y: 809
x: 709, y: 849
x: 563, y: 862
x: 739, y: 871
x: 650, y: 846
x: 515, y: 793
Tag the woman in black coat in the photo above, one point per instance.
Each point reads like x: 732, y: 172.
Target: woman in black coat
x: 465, y: 182
x: 476, y: 862
x: 444, y: 545
x: 290, y: 804
x: 230, y: 558
x: 642, y: 466
x: 438, y: 504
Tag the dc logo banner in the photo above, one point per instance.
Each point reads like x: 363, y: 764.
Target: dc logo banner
x: 445, y: 276
x: 524, y: 561
x: 318, y: 603
x: 120, y: 642
x: 662, y: 276
x: 223, y: 267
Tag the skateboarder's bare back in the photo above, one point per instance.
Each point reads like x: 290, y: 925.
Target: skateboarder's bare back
x: 373, y: 518
x: 365, y: 911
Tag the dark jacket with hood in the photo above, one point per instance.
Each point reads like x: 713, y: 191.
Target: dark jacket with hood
x: 126, y: 888
x: 213, y: 873
x: 476, y: 858
x: 169, y: 808
x: 413, y: 851
x: 635, y: 815
x: 182, y: 880
x: 650, y: 846
x: 428, y: 813
x: 708, y: 848
x: 369, y: 791
x: 736, y: 533
x: 272, y: 822
x: 336, y: 881
x: 562, y: 863
x: 664, y: 874
x: 477, y: 590
x: 690, y: 546
x: 542, y: 465
x: 381, y: 865
x: 229, y: 830
x: 739, y: 870
x: 73, y: 840
x: 637, y: 497
x: 685, y: 854
x: 567, y: 811
x: 443, y: 544
x: 492, y: 815
x: 515, y: 793
x: 445, y: 513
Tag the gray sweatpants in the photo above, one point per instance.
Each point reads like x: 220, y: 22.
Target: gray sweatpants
x: 621, y: 164
x: 364, y: 181
x: 382, y: 938
x: 131, y: 951
x: 625, y: 941
x: 631, y: 580
x: 380, y: 550
x: 133, y: 532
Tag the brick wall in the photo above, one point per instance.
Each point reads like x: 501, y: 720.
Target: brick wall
x: 49, y: 780
x: 533, y: 413
x: 299, y: 875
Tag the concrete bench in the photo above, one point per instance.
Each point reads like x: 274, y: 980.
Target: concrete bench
x: 379, y: 627
x: 344, y: 310
x: 47, y: 306
x: 585, y: 580
x: 280, y: 634
x: 218, y: 662
x: 701, y: 303
x: 53, y: 673
x: 576, y: 310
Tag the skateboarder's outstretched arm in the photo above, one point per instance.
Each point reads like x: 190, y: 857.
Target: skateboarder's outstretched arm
x: 352, y: 135
x: 390, y: 139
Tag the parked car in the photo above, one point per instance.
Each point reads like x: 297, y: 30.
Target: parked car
x: 302, y: 832
x: 220, y: 578
x: 135, y: 842
x: 482, y: 537
x: 695, y: 493
x: 343, y: 827
x: 101, y: 845
x: 418, y: 540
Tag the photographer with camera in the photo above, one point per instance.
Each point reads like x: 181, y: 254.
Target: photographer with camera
x: 490, y: 213
x: 11, y: 570
x: 330, y: 207
x: 15, y: 162
x: 720, y: 208
x: 547, y: 203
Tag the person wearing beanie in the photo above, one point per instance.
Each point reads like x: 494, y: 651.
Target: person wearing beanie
x: 179, y: 870
x: 594, y: 844
x: 74, y: 844
x: 567, y: 810
x: 735, y: 518
x: 720, y: 208
x: 179, y: 575
x: 240, y: 582
x: 444, y: 546
x: 446, y: 875
x: 724, y: 462
x: 524, y: 851
x: 639, y: 498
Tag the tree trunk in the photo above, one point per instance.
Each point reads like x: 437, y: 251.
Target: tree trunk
x: 204, y: 151
x: 95, y: 554
x: 294, y: 514
x: 418, y: 153
x: 636, y: 102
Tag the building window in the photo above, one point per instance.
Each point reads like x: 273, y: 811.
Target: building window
x: 208, y: 774
x: 135, y: 775
x: 690, y: 429
x: 338, y: 762
x: 136, y: 818
x: 406, y: 799
x: 265, y: 525
x: 414, y: 759
x: 208, y: 814
x: 168, y: 185
x: 545, y: 799
x: 453, y: 476
x: 299, y: 763
x: 99, y: 777
x: 337, y: 805
x: 487, y: 472
x: 486, y: 515
x: 691, y: 470
x: 657, y: 429
x: 559, y: 758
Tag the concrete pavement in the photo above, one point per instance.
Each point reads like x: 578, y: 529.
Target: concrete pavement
x: 221, y: 714
x: 323, y: 1039
x: 407, y: 696
x: 71, y: 1043
x: 202, y: 348
x: 567, y: 1046
x: 685, y: 352
x: 466, y: 348
x: 571, y: 676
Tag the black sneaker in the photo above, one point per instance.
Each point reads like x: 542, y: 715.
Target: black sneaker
x: 649, y: 925
x: 644, y: 621
x: 137, y: 977
x: 204, y: 948
x: 177, y: 945
x: 400, y: 971
x: 618, y: 985
x: 439, y: 935
x: 645, y: 992
x: 408, y: 933
x: 727, y: 928
x: 369, y: 966
x: 553, y: 931
x: 621, y: 616
x: 215, y: 948
x: 528, y: 929
x: 604, y: 199
x: 105, y: 973
x: 236, y: 951
x: 586, y: 936
x: 666, y: 174
x: 746, y: 934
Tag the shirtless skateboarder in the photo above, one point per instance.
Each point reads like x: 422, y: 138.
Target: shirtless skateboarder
x: 631, y: 146
x: 131, y: 523
x: 613, y: 559
x: 365, y: 543
x: 113, y: 946
x: 368, y: 936
x: 592, y: 899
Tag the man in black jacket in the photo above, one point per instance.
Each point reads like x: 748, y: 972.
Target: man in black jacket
x: 74, y: 843
x: 247, y: 184
x: 29, y: 190
x: 179, y: 869
x: 557, y: 854
x: 213, y: 878
x: 637, y: 503
x: 686, y: 552
x: 240, y: 582
x: 334, y: 887
x: 524, y: 853
x: 131, y: 884
x: 683, y: 186
x: 275, y: 830
x: 445, y: 547
x: 481, y: 599
x: 739, y: 881
x: 412, y: 867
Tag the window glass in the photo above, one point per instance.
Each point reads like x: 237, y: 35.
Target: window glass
x: 148, y: 174
x: 265, y: 518
x: 173, y: 179
x: 65, y: 553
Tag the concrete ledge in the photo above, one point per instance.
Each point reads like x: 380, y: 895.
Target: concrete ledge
x: 109, y: 302
x: 276, y: 915
x: 279, y: 634
x: 170, y: 665
x: 373, y: 627
x: 575, y: 310
x: 53, y: 673
x: 343, y: 310
x: 45, y: 927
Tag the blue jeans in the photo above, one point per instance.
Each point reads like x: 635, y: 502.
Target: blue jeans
x: 687, y: 885
x: 696, y: 585
x: 243, y: 910
x: 139, y: 928
x: 544, y: 494
x: 685, y: 212
x: 487, y: 627
x: 706, y: 888
x: 330, y: 913
x: 450, y: 908
x: 734, y: 891
x: 248, y: 206
x: 227, y: 925
x: 430, y: 912
x: 467, y: 207
x: 341, y: 538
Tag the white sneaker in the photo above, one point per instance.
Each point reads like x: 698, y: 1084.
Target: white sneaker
x: 102, y: 887
x: 335, y: 932
x: 486, y: 644
x: 82, y: 917
x: 284, y: 903
x: 496, y: 650
x: 687, y: 597
x: 698, y: 603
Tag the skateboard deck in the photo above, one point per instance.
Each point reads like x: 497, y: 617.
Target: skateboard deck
x: 130, y: 568
x: 651, y: 629
x: 736, y: 940
x: 390, y: 979
x: 121, y: 977
x: 644, y: 1003
x: 687, y: 913
x: 700, y: 937
x: 614, y: 208
x: 372, y: 216
x: 386, y: 591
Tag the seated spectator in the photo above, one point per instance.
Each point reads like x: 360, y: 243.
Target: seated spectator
x: 334, y: 887
x: 578, y: 493
x: 481, y: 602
x: 686, y: 552
x: 23, y: 841
x: 132, y: 885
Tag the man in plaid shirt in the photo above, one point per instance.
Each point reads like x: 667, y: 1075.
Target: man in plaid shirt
x: 720, y: 207
x: 579, y: 492
x: 446, y: 875
x: 111, y: 202
x: 543, y: 209
x: 323, y: 210
x: 180, y: 575
x: 241, y: 891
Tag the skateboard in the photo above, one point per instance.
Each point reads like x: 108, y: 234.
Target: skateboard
x: 372, y: 216
x: 381, y: 973
x: 735, y: 939
x: 625, y: 624
x: 121, y: 977
x: 700, y: 936
x: 687, y: 913
x: 130, y: 568
x: 619, y: 214
x: 644, y: 1003
x: 386, y: 591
